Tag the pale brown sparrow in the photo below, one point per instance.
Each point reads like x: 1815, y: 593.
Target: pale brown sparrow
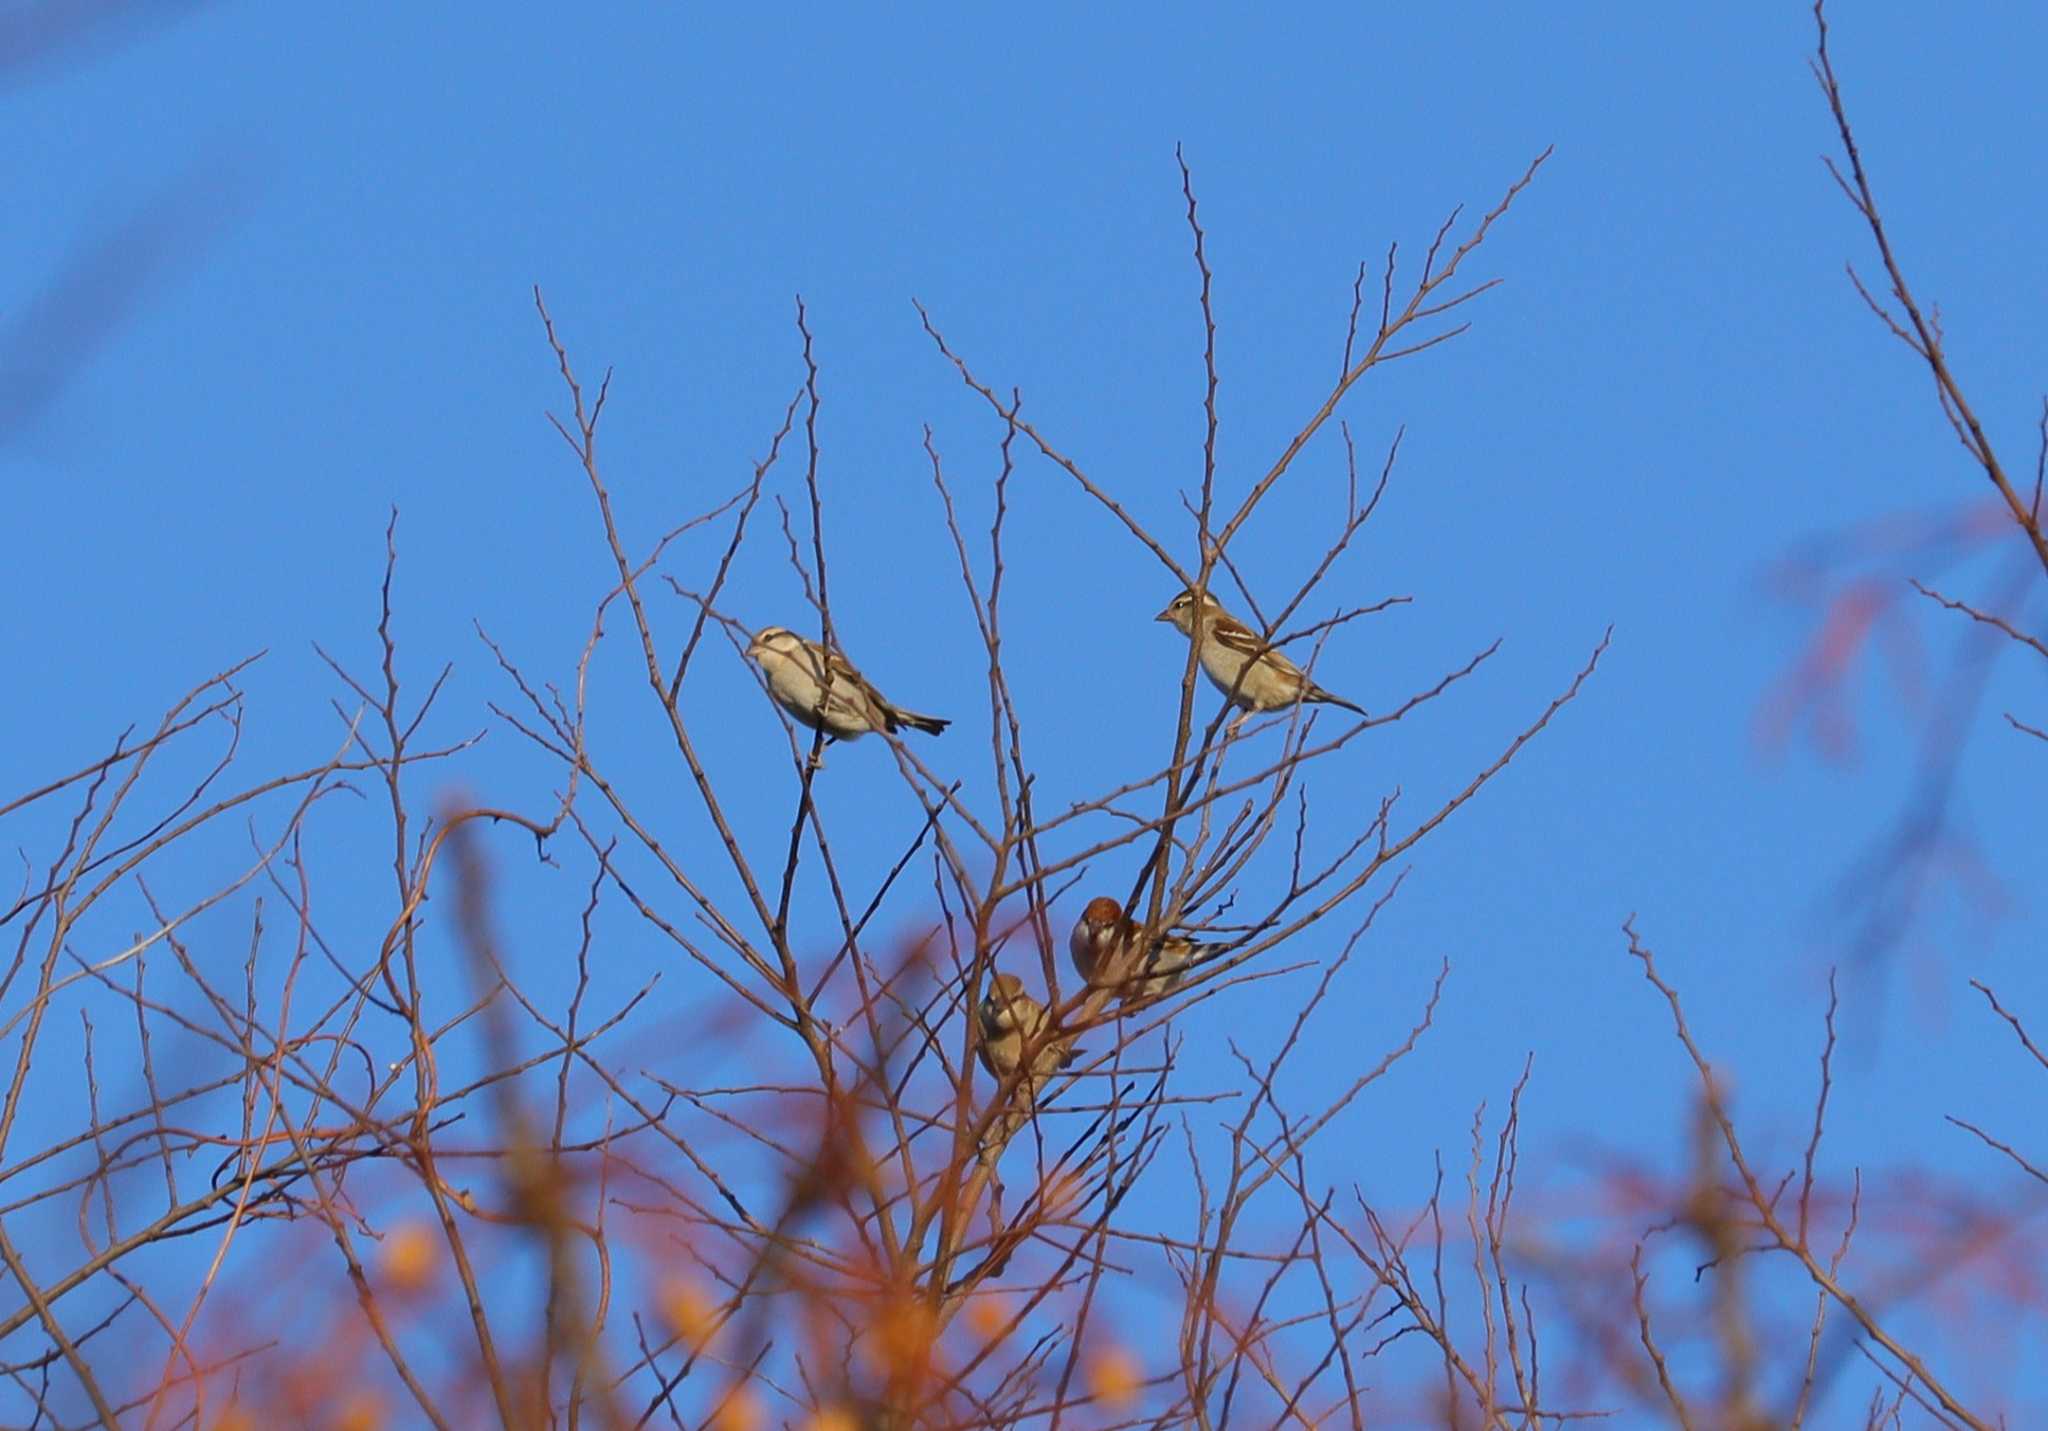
x: 1227, y: 647
x: 1011, y: 1019
x: 822, y: 690
x: 1104, y: 940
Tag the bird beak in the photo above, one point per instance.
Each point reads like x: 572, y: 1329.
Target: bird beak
x: 1166, y: 615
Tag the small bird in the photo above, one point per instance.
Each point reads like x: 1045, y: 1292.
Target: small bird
x: 1011, y: 1018
x: 1227, y: 647
x: 822, y: 690
x: 1103, y: 939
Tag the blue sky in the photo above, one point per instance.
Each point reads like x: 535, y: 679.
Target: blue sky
x: 1674, y: 387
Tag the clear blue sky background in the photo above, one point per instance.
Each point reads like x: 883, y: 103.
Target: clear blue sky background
x: 1674, y: 388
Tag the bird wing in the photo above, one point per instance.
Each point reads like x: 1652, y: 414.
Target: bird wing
x: 858, y: 696
x: 1240, y: 638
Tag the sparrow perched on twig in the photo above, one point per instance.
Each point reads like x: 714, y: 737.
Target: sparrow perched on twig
x: 822, y: 690
x: 1238, y: 662
x: 1010, y: 1019
x: 1104, y: 939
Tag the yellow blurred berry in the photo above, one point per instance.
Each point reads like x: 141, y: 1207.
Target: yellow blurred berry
x: 988, y: 1316
x: 410, y: 1256
x: 1114, y: 1378
x: 834, y: 1418
x: 689, y: 1313
x: 362, y: 1412
x: 235, y: 1419
x: 740, y: 1411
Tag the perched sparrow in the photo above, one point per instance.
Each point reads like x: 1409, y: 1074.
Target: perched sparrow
x: 823, y: 691
x: 1103, y: 939
x: 1227, y: 646
x: 1011, y: 1018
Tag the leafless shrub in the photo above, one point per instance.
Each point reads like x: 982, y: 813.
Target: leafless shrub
x: 371, y: 1167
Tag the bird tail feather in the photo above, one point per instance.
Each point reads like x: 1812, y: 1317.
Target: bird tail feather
x: 1319, y: 694
x: 930, y: 725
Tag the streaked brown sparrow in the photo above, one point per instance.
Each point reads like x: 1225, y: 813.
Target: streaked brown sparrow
x: 1105, y: 940
x: 1239, y: 663
x: 1010, y: 1019
x: 822, y: 690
